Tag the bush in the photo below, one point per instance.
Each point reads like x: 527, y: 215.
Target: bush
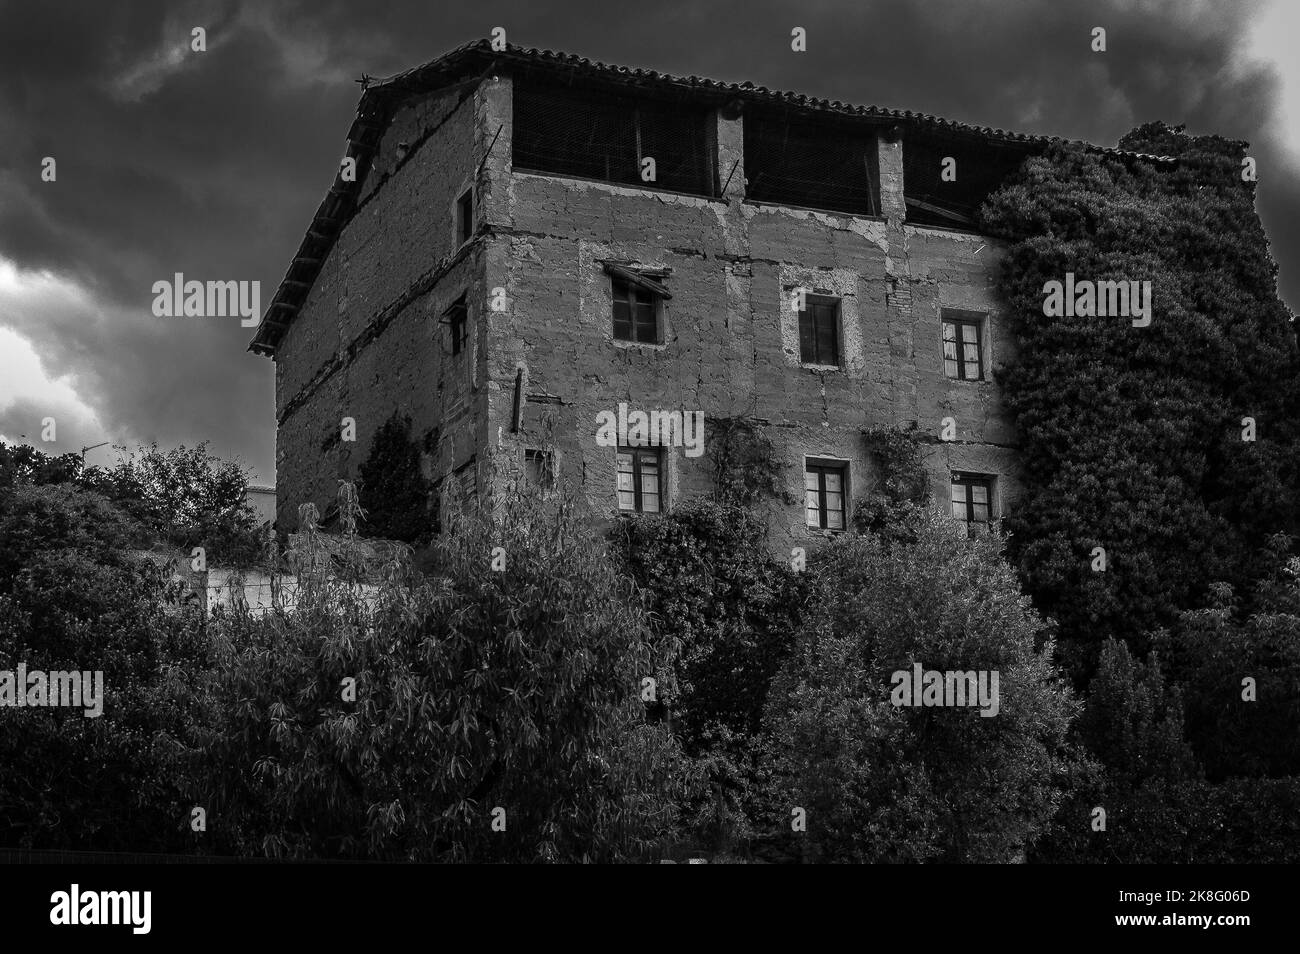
x: 395, y: 488
x: 886, y: 783
x: 1158, y: 807
x: 1211, y: 651
x: 71, y: 599
x: 730, y: 609
x: 479, y: 690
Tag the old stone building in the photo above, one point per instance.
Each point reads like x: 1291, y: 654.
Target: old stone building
x: 531, y: 239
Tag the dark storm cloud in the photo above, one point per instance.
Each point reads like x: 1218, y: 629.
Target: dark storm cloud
x: 211, y: 164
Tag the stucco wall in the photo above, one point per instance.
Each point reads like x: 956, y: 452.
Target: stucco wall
x: 731, y: 341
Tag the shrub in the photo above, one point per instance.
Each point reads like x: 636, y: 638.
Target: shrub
x: 71, y: 599
x: 881, y: 782
x: 730, y: 609
x: 395, y: 488
x: 478, y: 690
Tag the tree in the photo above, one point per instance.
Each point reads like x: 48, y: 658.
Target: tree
x: 396, y: 490
x: 1239, y: 728
x: 883, y: 782
x: 497, y: 714
x: 729, y: 607
x: 24, y: 464
x: 190, y: 498
x: 728, y: 610
x: 73, y: 599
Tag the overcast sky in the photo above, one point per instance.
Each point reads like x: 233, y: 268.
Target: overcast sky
x: 211, y: 164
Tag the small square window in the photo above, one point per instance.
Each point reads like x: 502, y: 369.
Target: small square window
x: 465, y: 217
x: 457, y: 321
x: 639, y: 488
x: 972, y: 500
x: 963, y: 346
x: 819, y: 331
x: 825, y: 490
x: 636, y: 312
x: 538, y: 470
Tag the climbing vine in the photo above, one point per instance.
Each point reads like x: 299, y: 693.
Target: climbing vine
x: 745, y: 465
x: 900, y: 484
x: 1132, y: 437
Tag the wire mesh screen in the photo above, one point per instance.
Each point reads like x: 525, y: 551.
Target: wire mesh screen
x: 976, y: 171
x: 597, y: 135
x: 817, y: 165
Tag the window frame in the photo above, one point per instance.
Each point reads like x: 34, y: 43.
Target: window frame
x: 623, y: 129
x: 545, y: 467
x: 822, y: 466
x: 821, y: 301
x: 638, y: 492
x: 632, y: 295
x: 457, y: 318
x: 963, y: 319
x: 464, y: 217
x: 784, y: 150
x: 970, y: 481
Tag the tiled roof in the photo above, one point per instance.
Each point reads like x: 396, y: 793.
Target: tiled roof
x: 381, y: 96
x: 639, y: 77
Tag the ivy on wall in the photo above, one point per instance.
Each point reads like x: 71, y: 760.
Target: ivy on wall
x: 901, y: 484
x: 1134, y: 438
x: 745, y: 465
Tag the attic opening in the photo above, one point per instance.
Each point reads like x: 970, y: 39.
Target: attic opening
x: 600, y: 134
x: 820, y: 164
x: 952, y: 200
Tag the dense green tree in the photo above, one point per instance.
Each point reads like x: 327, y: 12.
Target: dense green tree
x: 715, y: 590
x: 72, y: 598
x: 190, y: 498
x: 518, y: 688
x: 1147, y: 779
x: 395, y: 488
x: 728, y: 609
x: 883, y: 782
x: 24, y: 464
x: 185, y: 497
x: 1239, y: 729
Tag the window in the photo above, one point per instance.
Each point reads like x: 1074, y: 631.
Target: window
x: 824, y: 494
x: 817, y: 164
x: 946, y: 178
x: 972, y: 500
x: 457, y: 321
x: 638, y: 299
x: 963, y: 346
x: 464, y: 217
x: 819, y: 331
x: 638, y: 480
x: 537, y: 469
x: 590, y: 132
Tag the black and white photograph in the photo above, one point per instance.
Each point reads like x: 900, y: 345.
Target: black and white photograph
x: 691, y: 432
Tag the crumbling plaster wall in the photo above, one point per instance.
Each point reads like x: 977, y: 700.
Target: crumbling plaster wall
x: 731, y: 343
x: 368, y: 341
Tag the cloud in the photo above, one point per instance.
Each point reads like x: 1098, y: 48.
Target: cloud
x: 30, y: 400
